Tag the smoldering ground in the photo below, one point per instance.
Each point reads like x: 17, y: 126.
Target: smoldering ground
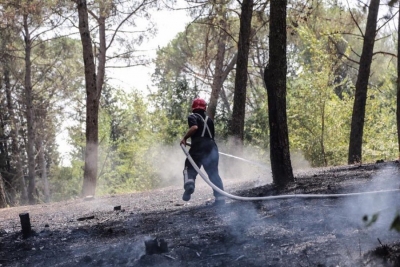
x: 287, y: 232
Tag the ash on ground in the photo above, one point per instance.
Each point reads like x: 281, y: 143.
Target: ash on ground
x: 344, y: 231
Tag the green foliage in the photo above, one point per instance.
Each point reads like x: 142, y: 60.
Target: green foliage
x: 396, y: 223
x: 321, y: 96
x: 370, y: 221
x: 256, y: 125
x: 127, y: 132
x: 67, y: 181
x: 127, y: 136
x: 315, y: 126
x: 172, y: 104
x: 380, y: 132
x: 191, y: 55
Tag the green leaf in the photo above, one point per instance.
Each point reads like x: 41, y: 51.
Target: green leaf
x: 396, y: 223
x: 368, y: 222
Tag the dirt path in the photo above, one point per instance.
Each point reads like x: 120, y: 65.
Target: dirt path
x: 288, y: 232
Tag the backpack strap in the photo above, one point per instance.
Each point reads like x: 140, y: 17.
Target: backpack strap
x: 205, y: 125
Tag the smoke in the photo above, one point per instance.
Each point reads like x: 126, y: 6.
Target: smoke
x: 254, y: 166
x: 257, y: 167
x: 125, y: 253
x: 299, y: 162
x: 241, y: 220
x: 170, y: 160
x: 169, y: 164
x: 384, y: 205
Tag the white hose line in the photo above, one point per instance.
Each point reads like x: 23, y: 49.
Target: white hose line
x: 239, y: 158
x: 276, y: 197
x: 245, y: 160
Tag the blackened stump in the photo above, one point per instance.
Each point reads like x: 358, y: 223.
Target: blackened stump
x: 25, y: 224
x: 155, y: 246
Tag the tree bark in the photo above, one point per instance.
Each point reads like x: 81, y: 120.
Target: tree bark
x: 225, y: 101
x: 275, y: 81
x: 398, y: 87
x: 236, y: 128
x: 30, y: 116
x: 3, y: 199
x: 217, y: 79
x: 43, y: 168
x: 219, y: 61
x: 360, y: 100
x: 92, y: 103
x: 101, y: 67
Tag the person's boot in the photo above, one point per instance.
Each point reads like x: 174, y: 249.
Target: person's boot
x: 188, y: 186
x: 189, y: 189
x: 219, y: 201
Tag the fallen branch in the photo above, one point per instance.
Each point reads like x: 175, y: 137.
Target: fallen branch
x: 168, y: 256
x: 286, y: 245
x: 218, y: 254
x: 240, y: 257
x: 85, y: 218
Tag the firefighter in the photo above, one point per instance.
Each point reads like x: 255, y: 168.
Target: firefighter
x: 203, y: 150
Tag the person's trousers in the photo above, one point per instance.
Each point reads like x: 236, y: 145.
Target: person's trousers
x: 205, y: 153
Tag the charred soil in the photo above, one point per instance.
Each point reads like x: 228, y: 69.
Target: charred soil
x: 156, y: 228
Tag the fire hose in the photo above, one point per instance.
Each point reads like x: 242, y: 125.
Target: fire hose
x: 205, y: 178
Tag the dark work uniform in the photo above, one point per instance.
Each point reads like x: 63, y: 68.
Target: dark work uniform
x: 204, y: 150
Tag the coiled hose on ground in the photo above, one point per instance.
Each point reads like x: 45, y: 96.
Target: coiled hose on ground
x: 205, y: 178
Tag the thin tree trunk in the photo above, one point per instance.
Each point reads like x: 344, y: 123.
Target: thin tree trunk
x: 275, y: 81
x: 217, y: 79
x: 225, y: 101
x: 102, y: 56
x: 360, y: 100
x: 3, y: 199
x: 30, y: 116
x: 212, y: 107
x: 322, y: 140
x: 43, y: 169
x: 92, y: 103
x: 236, y: 128
x: 398, y: 85
x: 219, y: 62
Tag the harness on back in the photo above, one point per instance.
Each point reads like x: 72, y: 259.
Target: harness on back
x: 205, y: 125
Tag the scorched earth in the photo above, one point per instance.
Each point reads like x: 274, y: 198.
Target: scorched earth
x: 157, y: 228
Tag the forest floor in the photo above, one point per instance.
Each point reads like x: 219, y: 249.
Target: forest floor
x: 281, y: 232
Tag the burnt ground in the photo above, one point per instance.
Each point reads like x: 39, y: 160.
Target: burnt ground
x: 283, y: 232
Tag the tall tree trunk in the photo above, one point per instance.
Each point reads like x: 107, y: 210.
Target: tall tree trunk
x: 92, y: 103
x: 236, y: 128
x: 226, y: 102
x: 43, y: 168
x: 3, y: 198
x: 218, y: 90
x: 101, y: 68
x: 360, y: 100
x: 219, y: 60
x: 275, y: 81
x: 322, y: 138
x: 217, y: 79
x: 30, y: 116
x: 15, y: 150
x: 398, y: 85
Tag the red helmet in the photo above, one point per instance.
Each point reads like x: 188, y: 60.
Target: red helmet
x: 199, y: 103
